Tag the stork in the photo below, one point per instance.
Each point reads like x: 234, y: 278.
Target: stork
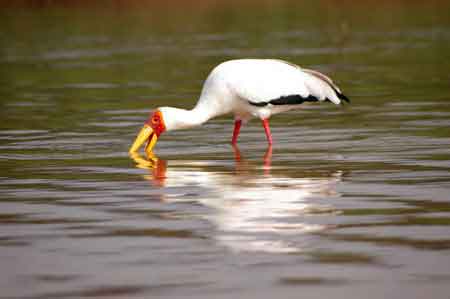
x: 247, y: 88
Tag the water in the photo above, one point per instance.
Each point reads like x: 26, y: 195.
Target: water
x: 352, y: 203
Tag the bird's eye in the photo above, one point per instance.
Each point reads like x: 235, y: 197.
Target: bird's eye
x: 155, y: 119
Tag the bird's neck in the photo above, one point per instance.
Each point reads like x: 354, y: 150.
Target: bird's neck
x: 183, y: 119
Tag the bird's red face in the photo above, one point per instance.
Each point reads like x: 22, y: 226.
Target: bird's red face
x: 156, y: 122
x: 153, y: 127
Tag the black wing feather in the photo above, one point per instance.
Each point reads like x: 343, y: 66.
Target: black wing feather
x: 294, y: 99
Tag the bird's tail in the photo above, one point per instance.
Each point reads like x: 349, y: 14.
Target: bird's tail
x: 341, y: 96
x: 329, y: 82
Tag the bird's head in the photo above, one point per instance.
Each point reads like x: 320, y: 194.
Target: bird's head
x: 161, y: 120
x: 153, y: 128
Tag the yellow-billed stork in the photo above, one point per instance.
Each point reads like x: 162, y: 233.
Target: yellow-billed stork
x: 247, y: 88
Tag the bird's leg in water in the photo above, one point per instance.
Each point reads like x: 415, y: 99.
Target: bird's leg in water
x: 237, y: 153
x: 267, y: 130
x: 268, y: 159
x: 237, y: 128
x: 241, y: 166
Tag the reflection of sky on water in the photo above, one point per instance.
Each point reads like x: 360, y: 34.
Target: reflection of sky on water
x: 251, y: 209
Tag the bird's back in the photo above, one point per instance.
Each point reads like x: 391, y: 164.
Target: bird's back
x: 264, y: 82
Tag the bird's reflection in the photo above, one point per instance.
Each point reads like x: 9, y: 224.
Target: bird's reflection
x: 252, y: 209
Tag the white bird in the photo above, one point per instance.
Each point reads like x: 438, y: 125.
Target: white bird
x: 247, y: 88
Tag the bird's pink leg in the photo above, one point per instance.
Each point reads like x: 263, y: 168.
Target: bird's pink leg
x: 268, y: 156
x: 267, y: 129
x: 237, y: 153
x: 237, y: 128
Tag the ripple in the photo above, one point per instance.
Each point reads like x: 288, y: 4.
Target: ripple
x: 311, y: 281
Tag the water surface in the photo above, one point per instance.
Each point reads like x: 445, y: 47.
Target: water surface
x: 353, y: 201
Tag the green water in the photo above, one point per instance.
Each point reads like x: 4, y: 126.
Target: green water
x: 353, y: 204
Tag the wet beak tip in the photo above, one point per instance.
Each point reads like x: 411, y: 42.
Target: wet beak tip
x: 142, y: 136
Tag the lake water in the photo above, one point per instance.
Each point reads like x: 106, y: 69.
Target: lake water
x: 353, y: 201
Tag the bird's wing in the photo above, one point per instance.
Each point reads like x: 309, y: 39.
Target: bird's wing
x: 330, y: 83
x: 276, y: 82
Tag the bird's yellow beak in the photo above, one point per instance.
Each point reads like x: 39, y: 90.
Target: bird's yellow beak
x: 146, y: 133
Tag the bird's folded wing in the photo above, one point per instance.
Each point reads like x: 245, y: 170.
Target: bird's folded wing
x: 290, y: 85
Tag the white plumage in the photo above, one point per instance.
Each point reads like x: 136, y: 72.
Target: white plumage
x: 232, y: 84
x: 251, y: 88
